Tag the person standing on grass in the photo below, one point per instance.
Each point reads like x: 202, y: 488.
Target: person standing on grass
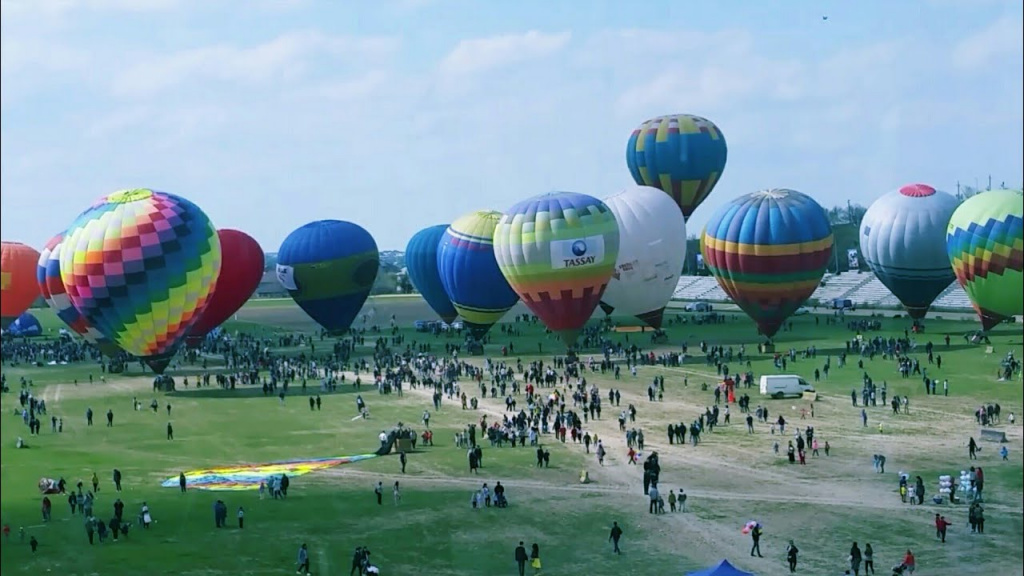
x: 521, y: 558
x: 869, y: 559
x: 535, y: 558
x: 791, y: 556
x: 615, y: 536
x: 403, y: 460
x: 303, y: 560
x: 855, y: 559
x: 110, y: 418
x: 117, y: 479
x: 241, y: 518
x: 397, y: 494
x: 182, y: 482
x: 95, y: 482
x: 378, y: 491
x: 170, y: 431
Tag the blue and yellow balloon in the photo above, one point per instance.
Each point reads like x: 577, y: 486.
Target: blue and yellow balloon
x: 329, y: 267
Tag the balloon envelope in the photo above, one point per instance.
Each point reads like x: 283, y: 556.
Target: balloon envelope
x: 240, y: 273
x: 470, y: 274
x: 682, y: 155
x: 652, y: 250
x: 985, y: 243
x: 18, y: 287
x: 902, y: 239
x: 768, y: 250
x: 51, y: 286
x: 558, y: 252
x: 421, y: 265
x: 329, y: 267
x: 140, y: 265
x: 26, y: 325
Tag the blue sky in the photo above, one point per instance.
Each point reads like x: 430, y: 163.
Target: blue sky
x: 399, y: 115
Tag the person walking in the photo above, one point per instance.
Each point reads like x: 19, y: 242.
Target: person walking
x: 521, y: 558
x: 615, y: 536
x: 535, y: 558
x: 403, y: 460
x: 755, y: 535
x: 791, y: 555
x: 303, y: 560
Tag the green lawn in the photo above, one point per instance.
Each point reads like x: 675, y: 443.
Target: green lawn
x: 732, y: 477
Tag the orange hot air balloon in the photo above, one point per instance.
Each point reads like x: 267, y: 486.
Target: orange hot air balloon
x: 18, y: 286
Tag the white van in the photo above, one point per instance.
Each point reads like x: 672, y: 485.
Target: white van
x: 784, y: 386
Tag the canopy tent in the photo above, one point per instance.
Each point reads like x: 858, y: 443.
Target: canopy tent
x: 723, y: 568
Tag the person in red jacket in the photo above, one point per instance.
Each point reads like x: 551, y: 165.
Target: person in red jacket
x: 941, y: 524
x: 908, y: 562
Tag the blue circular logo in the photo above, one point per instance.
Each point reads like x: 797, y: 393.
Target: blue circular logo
x: 579, y: 248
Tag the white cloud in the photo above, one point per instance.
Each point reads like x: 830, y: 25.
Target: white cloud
x: 283, y: 58
x: 484, y: 54
x: 1002, y: 39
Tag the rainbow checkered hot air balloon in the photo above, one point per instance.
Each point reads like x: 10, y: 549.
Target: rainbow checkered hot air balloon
x: 768, y: 250
x: 558, y: 252
x: 985, y: 242
x: 140, y: 266
x: 680, y: 154
x: 51, y: 286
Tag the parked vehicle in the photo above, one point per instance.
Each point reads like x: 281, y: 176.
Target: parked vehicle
x: 784, y: 386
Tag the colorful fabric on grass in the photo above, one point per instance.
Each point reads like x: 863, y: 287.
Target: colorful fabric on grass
x: 249, y: 476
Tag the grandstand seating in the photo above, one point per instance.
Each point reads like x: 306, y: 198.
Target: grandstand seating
x: 863, y: 288
x: 839, y: 286
x: 953, y: 298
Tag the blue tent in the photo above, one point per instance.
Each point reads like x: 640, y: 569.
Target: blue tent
x: 26, y: 325
x: 723, y: 568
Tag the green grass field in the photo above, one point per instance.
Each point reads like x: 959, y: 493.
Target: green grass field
x: 731, y: 477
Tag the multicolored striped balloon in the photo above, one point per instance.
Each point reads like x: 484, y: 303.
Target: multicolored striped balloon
x: 470, y: 274
x: 558, y: 252
x: 768, y: 250
x: 140, y: 265
x: 985, y: 242
x: 681, y: 154
x: 51, y: 286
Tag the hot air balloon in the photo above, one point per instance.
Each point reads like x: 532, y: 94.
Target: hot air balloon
x: 328, y: 268
x: 652, y: 249
x: 421, y: 264
x: 558, y: 252
x: 768, y: 250
x: 241, y: 270
x: 51, y: 286
x: 470, y: 273
x: 18, y: 288
x: 985, y: 242
x: 902, y: 239
x: 682, y: 155
x: 140, y: 265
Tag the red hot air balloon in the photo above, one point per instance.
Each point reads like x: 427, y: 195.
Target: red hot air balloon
x: 17, y: 281
x: 241, y: 270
